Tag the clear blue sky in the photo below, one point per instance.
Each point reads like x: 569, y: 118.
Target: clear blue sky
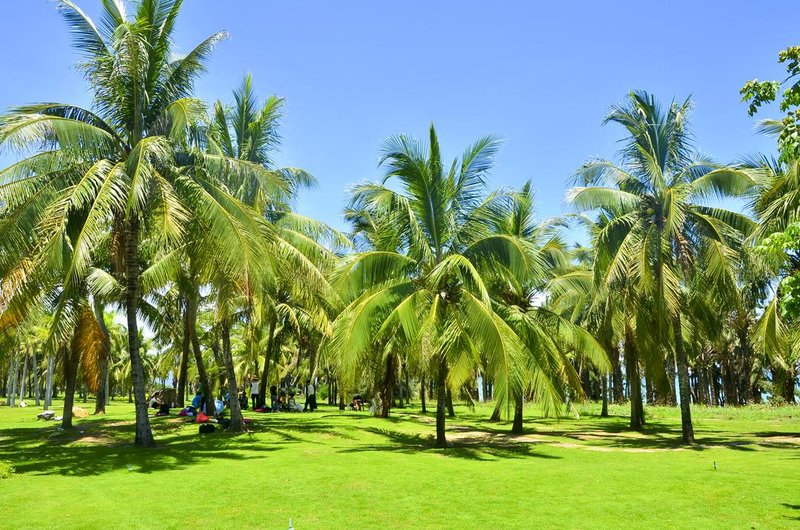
x: 540, y: 76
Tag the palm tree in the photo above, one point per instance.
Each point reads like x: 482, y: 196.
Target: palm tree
x: 130, y: 167
x: 776, y: 203
x: 432, y: 292
x: 660, y: 234
x: 549, y: 339
x: 247, y: 131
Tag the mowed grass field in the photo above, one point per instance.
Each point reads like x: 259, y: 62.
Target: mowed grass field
x: 333, y: 469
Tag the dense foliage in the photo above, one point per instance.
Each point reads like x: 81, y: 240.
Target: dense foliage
x: 155, y: 207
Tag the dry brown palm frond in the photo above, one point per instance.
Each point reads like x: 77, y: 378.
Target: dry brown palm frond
x: 91, y: 345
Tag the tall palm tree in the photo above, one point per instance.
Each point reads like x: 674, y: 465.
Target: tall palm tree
x: 433, y: 292
x: 248, y: 131
x: 660, y: 233
x: 549, y: 338
x: 121, y: 165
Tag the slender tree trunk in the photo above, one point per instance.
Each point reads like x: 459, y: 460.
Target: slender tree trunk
x: 387, y: 390
x: 441, y: 398
x: 190, y: 328
x: 496, y: 413
x: 144, y: 436
x: 237, y: 422
x: 12, y: 368
x: 102, y: 392
x: 35, y: 367
x: 789, y: 383
x: 634, y: 380
x: 12, y: 398
x: 262, y: 387
x: 107, y: 381
x: 24, y: 380
x: 219, y: 362
x: 619, y: 395
x: 48, y: 392
x: 183, y: 369
x: 604, y: 411
x: 449, y: 396
x: 649, y: 390
x: 407, y: 384
x: 70, y: 378
x: 422, y: 394
x: 312, y: 365
x: 683, y: 384
x: 516, y: 428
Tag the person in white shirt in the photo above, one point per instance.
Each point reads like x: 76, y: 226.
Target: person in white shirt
x: 254, y: 392
x: 311, y: 397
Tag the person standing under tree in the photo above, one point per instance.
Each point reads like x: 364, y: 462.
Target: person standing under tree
x: 311, y: 397
x: 254, y: 392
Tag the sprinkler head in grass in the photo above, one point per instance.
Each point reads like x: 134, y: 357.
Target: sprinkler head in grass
x: 715, y: 466
x: 290, y: 524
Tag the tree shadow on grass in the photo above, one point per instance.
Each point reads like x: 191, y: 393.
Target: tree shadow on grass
x: 655, y: 436
x: 796, y: 507
x: 481, y: 450
x: 93, y: 448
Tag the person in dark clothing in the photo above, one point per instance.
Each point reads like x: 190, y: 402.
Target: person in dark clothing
x: 273, y: 397
x: 311, y: 397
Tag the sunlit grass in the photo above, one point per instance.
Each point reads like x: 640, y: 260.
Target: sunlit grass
x: 335, y: 469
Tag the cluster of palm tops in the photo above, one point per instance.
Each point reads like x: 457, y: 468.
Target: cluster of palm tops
x: 171, y: 213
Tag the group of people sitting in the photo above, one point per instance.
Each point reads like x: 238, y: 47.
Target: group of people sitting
x: 283, y: 399
x: 158, y: 402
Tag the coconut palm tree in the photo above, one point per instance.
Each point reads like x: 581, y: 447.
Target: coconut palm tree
x: 549, y: 338
x: 248, y: 131
x: 433, y: 291
x: 660, y: 233
x: 123, y: 165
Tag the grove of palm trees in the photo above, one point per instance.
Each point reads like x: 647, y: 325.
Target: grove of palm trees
x: 464, y: 361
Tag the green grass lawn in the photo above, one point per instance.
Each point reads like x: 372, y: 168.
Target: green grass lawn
x: 335, y: 469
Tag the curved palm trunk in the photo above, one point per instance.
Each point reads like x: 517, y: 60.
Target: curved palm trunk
x: 634, y: 380
x: 144, y: 436
x: 496, y: 413
x: 237, y: 422
x: 516, y: 427
x: 441, y: 407
x: 102, y: 397
x: 683, y: 384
